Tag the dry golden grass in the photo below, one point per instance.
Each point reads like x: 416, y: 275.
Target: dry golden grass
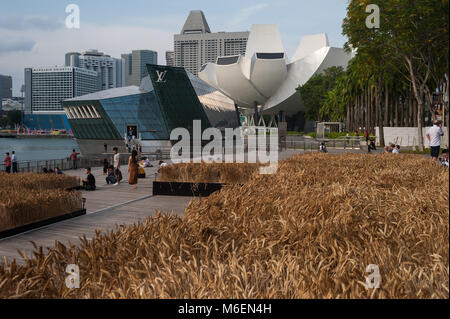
x: 208, y: 173
x: 35, y: 181
x: 28, y: 198
x: 307, y: 232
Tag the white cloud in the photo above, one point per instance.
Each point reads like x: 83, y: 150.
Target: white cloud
x: 10, y: 44
x: 29, y: 23
x: 51, y: 46
x: 244, y: 14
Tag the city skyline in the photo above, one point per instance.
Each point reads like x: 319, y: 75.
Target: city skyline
x: 36, y: 35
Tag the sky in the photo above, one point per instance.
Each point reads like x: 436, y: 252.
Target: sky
x: 33, y: 33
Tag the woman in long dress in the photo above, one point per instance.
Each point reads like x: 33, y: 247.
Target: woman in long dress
x: 133, y: 169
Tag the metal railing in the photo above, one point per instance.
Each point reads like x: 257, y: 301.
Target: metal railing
x: 312, y: 145
x: 63, y: 164
x: 66, y: 164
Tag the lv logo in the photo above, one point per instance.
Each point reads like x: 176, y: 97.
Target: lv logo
x: 161, y: 76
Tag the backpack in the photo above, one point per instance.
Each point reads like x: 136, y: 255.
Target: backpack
x: 119, y: 175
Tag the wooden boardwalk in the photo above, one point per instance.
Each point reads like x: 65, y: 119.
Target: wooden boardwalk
x: 107, y: 207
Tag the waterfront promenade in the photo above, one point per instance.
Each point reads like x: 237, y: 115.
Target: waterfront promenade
x: 107, y: 207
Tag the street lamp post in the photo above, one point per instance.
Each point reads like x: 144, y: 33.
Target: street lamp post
x: 22, y: 90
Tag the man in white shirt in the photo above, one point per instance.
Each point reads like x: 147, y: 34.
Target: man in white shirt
x: 14, y: 162
x: 434, y: 135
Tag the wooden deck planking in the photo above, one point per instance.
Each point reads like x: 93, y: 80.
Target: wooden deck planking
x: 72, y: 230
x: 107, y: 207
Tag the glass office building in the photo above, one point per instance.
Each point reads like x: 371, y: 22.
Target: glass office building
x: 165, y: 100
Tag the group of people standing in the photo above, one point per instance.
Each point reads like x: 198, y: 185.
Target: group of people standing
x: 10, y: 162
x: 113, y: 172
x: 114, y: 175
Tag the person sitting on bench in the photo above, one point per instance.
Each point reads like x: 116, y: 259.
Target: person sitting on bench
x: 89, y: 181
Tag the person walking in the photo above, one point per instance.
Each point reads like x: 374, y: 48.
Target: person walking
x: 105, y: 166
x: 14, y: 162
x: 133, y: 169
x: 434, y: 135
x: 74, y: 158
x: 7, y: 162
x: 372, y: 146
x: 367, y: 136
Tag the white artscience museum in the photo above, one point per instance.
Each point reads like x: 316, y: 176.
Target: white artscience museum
x: 265, y: 80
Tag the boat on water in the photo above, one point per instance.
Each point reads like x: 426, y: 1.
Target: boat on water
x: 7, y: 134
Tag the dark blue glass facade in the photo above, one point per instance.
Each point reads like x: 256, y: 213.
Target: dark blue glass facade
x: 142, y: 110
x: 155, y: 112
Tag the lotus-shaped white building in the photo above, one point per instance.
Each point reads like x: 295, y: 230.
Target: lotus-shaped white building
x: 264, y: 79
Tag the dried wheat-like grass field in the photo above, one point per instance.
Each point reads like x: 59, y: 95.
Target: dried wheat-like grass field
x: 308, y: 231
x: 30, y: 197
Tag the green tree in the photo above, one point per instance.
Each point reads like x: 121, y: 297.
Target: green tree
x: 14, y: 117
x: 314, y: 93
x: 4, y: 122
x: 411, y: 40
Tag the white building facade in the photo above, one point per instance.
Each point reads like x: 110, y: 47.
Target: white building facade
x: 196, y: 45
x: 111, y: 70
x: 265, y: 79
x: 47, y: 87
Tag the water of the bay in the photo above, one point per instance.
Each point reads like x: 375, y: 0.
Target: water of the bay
x: 38, y: 148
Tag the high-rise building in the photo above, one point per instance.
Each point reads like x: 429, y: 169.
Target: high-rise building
x: 73, y: 59
x: 170, y: 58
x: 47, y: 87
x: 5, y: 87
x: 136, y: 65
x: 110, y: 69
x: 196, y: 45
